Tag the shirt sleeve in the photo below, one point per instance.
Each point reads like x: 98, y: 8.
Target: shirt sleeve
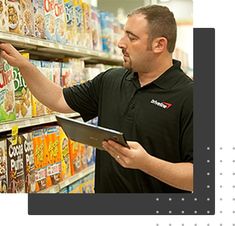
x: 84, y: 98
x: 187, y: 128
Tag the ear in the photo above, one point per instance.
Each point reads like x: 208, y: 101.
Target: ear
x: 159, y: 44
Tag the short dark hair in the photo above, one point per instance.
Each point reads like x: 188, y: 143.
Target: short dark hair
x: 161, y: 23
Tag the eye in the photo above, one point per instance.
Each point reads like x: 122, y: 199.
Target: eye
x: 131, y: 37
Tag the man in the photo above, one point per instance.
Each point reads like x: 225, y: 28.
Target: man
x: 150, y: 100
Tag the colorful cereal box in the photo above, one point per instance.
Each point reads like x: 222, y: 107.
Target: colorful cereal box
x: 3, y: 16
x: 87, y: 25
x: 3, y: 167
x: 39, y: 159
x: 29, y: 167
x: 75, y: 157
x: 28, y: 17
x: 79, y: 23
x: 65, y: 159
x: 22, y: 96
x: 49, y: 15
x: 66, y: 75
x: 7, y: 93
x: 60, y: 23
x: 70, y: 22
x: 15, y: 165
x: 15, y: 21
x: 53, y: 155
x: 56, y: 71
x: 39, y: 21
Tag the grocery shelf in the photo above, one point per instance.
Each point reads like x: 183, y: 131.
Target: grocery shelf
x: 30, y: 122
x: 42, y: 46
x: 56, y: 188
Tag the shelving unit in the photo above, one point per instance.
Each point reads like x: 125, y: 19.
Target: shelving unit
x: 56, y: 188
x: 57, y: 50
x: 30, y: 122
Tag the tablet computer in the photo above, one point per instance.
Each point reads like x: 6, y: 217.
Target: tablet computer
x: 89, y: 134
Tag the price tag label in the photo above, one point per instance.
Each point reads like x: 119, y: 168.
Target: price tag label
x: 14, y: 134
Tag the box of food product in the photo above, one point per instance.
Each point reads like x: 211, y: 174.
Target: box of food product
x: 78, y: 31
x: 3, y: 167
x: 29, y: 167
x: 49, y: 15
x: 39, y: 21
x: 15, y: 20
x: 60, y: 22
x: 47, y: 70
x: 15, y: 165
x: 38, y: 109
x: 4, y: 15
x: 53, y: 155
x: 70, y: 22
x: 39, y: 159
x: 22, y: 96
x: 66, y: 75
x: 87, y: 25
x: 96, y: 29
x: 65, y: 158
x: 7, y: 92
x: 56, y: 72
x: 78, y: 160
x: 28, y: 17
x: 88, y: 184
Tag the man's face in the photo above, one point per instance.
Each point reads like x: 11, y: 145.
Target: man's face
x: 134, y: 44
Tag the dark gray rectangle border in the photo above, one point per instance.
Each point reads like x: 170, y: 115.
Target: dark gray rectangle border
x: 202, y: 201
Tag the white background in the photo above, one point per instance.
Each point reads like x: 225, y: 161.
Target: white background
x: 207, y: 13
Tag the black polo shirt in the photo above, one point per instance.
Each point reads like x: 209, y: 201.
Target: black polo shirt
x: 159, y: 116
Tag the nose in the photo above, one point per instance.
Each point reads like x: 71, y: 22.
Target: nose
x: 121, y: 43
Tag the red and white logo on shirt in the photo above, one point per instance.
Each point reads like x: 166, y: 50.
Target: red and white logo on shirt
x: 164, y: 105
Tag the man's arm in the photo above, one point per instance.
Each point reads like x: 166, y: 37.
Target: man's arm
x: 179, y: 175
x: 41, y: 87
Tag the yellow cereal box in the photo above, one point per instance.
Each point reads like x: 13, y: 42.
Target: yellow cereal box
x: 3, y: 167
x: 87, y: 25
x: 53, y: 155
x: 3, y: 16
x: 7, y: 93
x: 39, y: 159
x: 15, y: 21
x: 65, y: 159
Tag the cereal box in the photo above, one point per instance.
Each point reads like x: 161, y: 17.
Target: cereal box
x: 47, y: 70
x: 106, y: 22
x: 28, y: 17
x: 39, y: 22
x: 66, y: 75
x: 60, y: 22
x: 3, y: 167
x: 65, y: 159
x: 87, y: 25
x: 15, y: 21
x: 29, y: 167
x: 39, y: 159
x: 95, y: 29
x: 79, y: 23
x: 78, y: 159
x: 70, y: 22
x: 49, y: 15
x: 53, y: 156
x: 7, y: 93
x: 88, y: 184
x: 15, y: 163
x: 22, y: 96
x: 3, y: 16
x: 38, y: 109
x: 77, y: 70
x: 56, y: 71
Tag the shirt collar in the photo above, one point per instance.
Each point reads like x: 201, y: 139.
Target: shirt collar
x: 165, y: 80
